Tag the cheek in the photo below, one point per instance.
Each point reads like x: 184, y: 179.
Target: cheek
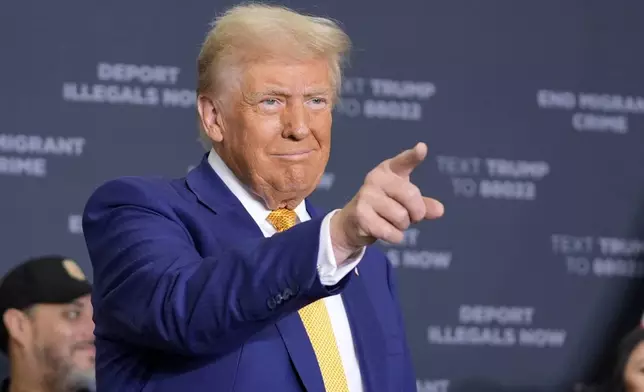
x: 260, y: 130
x: 254, y: 139
x: 63, y: 332
x: 321, y: 127
x: 55, y: 333
x: 635, y: 381
x: 62, y: 340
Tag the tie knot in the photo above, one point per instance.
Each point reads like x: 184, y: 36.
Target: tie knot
x: 282, y: 219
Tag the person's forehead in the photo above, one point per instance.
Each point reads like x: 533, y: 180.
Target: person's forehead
x: 49, y: 307
x: 277, y: 72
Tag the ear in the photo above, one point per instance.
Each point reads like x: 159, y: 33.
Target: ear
x: 211, y: 117
x: 18, y: 326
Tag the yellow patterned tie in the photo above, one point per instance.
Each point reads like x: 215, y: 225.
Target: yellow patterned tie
x: 317, y: 323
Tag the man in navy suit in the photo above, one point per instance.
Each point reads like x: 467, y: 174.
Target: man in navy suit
x: 228, y: 279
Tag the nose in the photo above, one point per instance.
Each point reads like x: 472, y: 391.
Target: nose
x: 86, y: 329
x: 295, y: 120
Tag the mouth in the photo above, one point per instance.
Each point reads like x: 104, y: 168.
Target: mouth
x: 87, y: 348
x: 294, y: 155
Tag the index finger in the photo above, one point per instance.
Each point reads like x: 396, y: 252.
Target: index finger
x: 405, y: 162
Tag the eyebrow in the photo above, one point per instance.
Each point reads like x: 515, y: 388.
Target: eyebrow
x: 284, y: 93
x: 77, y: 303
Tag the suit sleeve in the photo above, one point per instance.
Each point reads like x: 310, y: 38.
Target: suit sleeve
x: 153, y: 289
x: 409, y: 374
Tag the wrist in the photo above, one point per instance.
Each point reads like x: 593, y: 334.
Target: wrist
x: 342, y: 246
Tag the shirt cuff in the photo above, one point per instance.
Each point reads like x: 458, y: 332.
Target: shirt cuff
x: 328, y: 269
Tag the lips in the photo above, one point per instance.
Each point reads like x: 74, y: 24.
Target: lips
x: 294, y: 154
x: 86, y: 347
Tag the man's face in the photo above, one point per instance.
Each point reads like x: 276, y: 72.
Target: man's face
x: 277, y: 127
x: 64, y: 340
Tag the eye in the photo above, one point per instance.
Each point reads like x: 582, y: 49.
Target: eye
x: 71, y: 314
x: 318, y: 102
x: 269, y: 104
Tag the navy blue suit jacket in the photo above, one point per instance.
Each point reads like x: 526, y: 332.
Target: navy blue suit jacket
x: 190, y: 296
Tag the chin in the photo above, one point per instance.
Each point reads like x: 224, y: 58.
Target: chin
x: 298, y: 180
x: 294, y: 188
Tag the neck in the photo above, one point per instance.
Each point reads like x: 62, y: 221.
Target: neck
x: 26, y: 388
x: 273, y: 199
x: 26, y: 377
x: 20, y: 382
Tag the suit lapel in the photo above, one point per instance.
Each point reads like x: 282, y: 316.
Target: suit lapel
x: 301, y: 352
x: 368, y: 337
x: 211, y: 191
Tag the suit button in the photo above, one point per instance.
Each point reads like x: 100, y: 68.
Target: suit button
x: 271, y: 303
x: 278, y: 299
x: 287, y: 294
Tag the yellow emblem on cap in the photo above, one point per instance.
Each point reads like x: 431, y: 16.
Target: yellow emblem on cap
x: 73, y: 270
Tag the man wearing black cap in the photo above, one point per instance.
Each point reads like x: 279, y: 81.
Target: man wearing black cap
x: 47, y: 330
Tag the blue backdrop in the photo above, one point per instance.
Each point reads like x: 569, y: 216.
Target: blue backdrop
x: 532, y: 112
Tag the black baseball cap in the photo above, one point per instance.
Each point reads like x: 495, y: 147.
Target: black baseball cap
x: 41, y: 280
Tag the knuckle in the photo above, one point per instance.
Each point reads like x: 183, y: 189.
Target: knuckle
x: 361, y: 210
x: 419, y: 211
x: 417, y: 214
x: 414, y: 203
x: 412, y: 192
x: 401, y: 218
x: 377, y: 232
x: 394, y: 236
x: 363, y: 196
x: 372, y: 176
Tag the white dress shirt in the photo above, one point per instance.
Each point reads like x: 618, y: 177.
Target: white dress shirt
x: 328, y: 270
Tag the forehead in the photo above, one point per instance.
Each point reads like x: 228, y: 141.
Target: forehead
x: 293, y: 76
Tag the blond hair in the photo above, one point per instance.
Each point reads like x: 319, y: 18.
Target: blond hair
x: 251, y: 32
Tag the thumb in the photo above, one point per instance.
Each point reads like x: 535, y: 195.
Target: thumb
x: 405, y: 162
